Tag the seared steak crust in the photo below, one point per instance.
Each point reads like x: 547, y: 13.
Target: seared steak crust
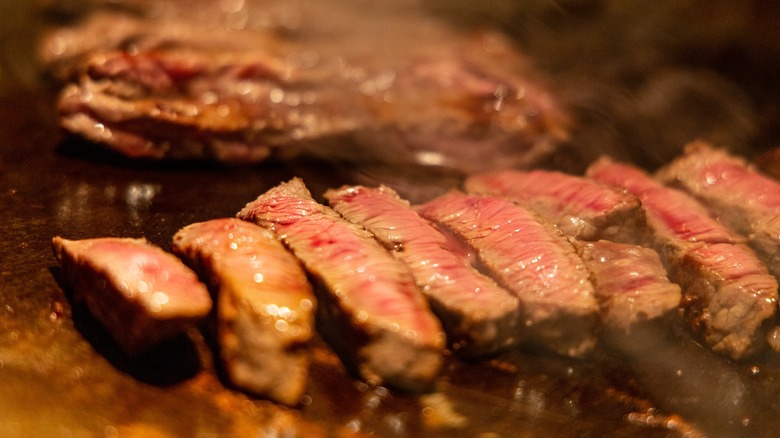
x: 265, y: 304
x: 728, y: 295
x: 736, y: 193
x: 580, y: 207
x: 376, y: 317
x: 532, y: 260
x: 142, y: 294
x: 479, y: 316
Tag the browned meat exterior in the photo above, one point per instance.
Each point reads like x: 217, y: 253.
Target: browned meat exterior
x: 580, y: 207
x: 265, y: 305
x: 630, y: 282
x: 532, y: 260
x: 479, y: 316
x: 375, y: 315
x: 140, y: 293
x: 736, y: 194
x: 185, y: 86
x: 728, y: 294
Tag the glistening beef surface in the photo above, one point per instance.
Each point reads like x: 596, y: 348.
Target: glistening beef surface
x: 185, y: 86
x: 671, y: 213
x: 142, y: 294
x: 735, y: 192
x: 630, y: 282
x: 375, y: 315
x: 728, y: 294
x: 479, y: 316
x: 581, y: 208
x: 265, y: 305
x: 532, y: 260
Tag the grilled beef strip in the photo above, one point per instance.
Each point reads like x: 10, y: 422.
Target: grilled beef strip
x: 736, y: 193
x: 265, y: 305
x: 140, y: 293
x: 479, y: 316
x: 631, y: 284
x: 185, y: 87
x: 531, y: 259
x: 728, y: 295
x: 373, y: 313
x: 580, y: 207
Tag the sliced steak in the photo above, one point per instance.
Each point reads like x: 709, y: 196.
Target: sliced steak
x: 140, y: 293
x: 630, y: 282
x: 728, y: 295
x: 672, y: 215
x: 479, y: 316
x: 532, y: 260
x: 736, y: 194
x: 186, y: 85
x: 375, y: 316
x: 265, y: 305
x: 580, y: 207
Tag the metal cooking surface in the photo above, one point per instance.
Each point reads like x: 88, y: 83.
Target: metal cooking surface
x: 61, y: 375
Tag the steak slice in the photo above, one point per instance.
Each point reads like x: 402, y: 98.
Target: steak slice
x: 631, y: 284
x: 265, y: 305
x: 183, y: 85
x: 580, y: 207
x: 375, y: 316
x: 532, y: 260
x: 140, y: 293
x: 671, y: 214
x: 479, y: 316
x: 736, y: 193
x: 728, y: 295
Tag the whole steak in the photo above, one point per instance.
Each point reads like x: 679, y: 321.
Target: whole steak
x: 390, y: 87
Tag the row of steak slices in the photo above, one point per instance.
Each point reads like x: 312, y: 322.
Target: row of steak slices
x: 537, y: 257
